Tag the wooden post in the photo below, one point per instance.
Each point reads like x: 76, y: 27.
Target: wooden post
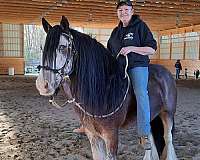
x: 199, y: 46
x: 158, y: 45
x: 1, y: 40
x: 184, y: 46
x: 21, y: 40
x: 170, y: 47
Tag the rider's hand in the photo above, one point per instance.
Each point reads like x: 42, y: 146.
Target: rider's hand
x: 126, y: 50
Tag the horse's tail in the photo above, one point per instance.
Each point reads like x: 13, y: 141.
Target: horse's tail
x: 173, y: 128
x: 158, y: 133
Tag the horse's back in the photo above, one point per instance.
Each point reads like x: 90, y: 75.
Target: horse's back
x: 158, y: 71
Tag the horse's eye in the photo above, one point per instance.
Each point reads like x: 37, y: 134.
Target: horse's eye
x: 62, y: 49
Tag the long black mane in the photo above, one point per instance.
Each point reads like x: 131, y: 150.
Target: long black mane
x: 97, y: 83
x: 51, y: 43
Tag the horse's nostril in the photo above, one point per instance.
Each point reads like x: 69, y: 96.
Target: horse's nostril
x: 45, y: 84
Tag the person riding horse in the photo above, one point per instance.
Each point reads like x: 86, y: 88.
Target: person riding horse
x: 133, y: 38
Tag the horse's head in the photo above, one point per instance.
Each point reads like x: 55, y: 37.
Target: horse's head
x: 57, y: 57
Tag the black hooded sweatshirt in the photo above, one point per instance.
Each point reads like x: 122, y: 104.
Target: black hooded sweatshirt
x: 135, y: 34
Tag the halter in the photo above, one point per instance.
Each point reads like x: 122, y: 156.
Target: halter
x: 73, y: 52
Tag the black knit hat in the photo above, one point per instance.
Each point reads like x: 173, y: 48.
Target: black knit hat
x: 124, y: 2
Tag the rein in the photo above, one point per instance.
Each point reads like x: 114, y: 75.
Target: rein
x: 73, y: 101
x: 53, y: 102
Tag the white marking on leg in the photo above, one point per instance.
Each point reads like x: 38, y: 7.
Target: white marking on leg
x: 97, y: 146
x: 111, y: 156
x: 169, y: 151
x: 111, y: 146
x: 151, y: 154
x: 171, y: 155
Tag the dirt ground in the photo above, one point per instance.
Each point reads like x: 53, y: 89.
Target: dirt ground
x: 31, y: 129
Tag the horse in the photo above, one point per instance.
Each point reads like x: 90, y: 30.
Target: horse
x: 99, y: 87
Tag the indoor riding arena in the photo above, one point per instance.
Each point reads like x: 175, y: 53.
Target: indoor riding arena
x: 31, y: 128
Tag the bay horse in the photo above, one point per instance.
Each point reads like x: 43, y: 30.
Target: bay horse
x: 102, y: 96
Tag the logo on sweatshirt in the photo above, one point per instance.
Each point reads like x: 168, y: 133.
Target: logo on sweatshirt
x: 129, y: 36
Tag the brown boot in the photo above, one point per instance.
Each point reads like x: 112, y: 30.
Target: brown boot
x: 145, y: 142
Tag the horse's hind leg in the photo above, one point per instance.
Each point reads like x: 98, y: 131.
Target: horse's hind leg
x: 97, y: 146
x: 168, y: 152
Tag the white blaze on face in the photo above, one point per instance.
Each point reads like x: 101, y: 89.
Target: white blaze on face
x: 48, y: 81
x: 64, y: 54
x: 61, y: 52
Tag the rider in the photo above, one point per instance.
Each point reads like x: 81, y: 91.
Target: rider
x: 133, y: 38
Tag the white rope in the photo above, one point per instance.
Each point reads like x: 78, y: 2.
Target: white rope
x: 53, y: 102
x: 72, y: 101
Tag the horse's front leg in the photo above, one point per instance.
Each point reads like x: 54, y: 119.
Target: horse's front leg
x: 111, y: 141
x: 169, y: 152
x: 97, y: 146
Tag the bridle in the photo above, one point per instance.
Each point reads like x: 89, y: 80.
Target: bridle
x: 71, y: 51
x: 61, y: 71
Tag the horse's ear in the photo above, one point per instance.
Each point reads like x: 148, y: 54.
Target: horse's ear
x: 64, y: 23
x: 46, y: 25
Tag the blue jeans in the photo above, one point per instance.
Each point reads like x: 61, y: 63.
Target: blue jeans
x: 177, y: 73
x: 139, y: 79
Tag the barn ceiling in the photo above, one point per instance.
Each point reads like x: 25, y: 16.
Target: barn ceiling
x: 159, y: 14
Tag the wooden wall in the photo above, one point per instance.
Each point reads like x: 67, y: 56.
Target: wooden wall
x: 191, y: 65
x: 16, y: 63
x: 19, y: 64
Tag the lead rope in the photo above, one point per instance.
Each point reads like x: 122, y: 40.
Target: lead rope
x: 126, y: 67
x: 72, y: 101
x: 53, y: 102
